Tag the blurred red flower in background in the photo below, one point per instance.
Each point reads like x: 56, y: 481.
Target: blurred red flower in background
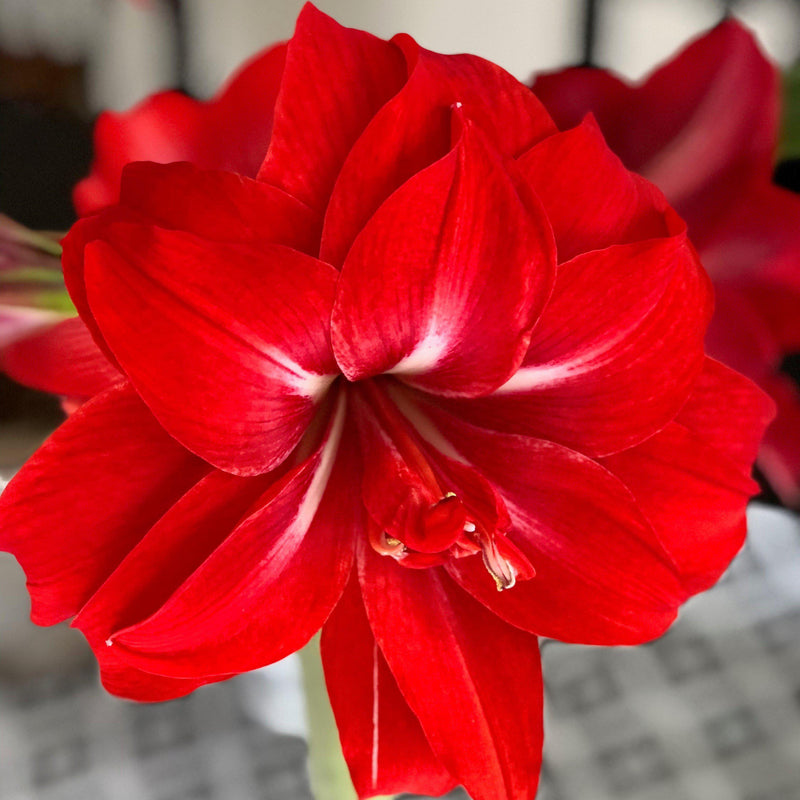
x: 230, y: 131
x: 435, y: 348
x: 704, y: 128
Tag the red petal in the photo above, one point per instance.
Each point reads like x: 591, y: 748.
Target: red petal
x: 747, y: 230
x: 74, y: 244
x: 413, y: 130
x: 61, y: 360
x: 728, y: 412
x: 227, y: 344
x: 382, y: 740
x: 601, y: 577
x: 173, y: 549
x: 334, y: 81
x: 229, y: 132
x: 591, y: 200
x: 603, y: 381
x: 694, y: 497
x: 88, y: 496
x: 218, y: 205
x: 270, y: 584
x: 444, y: 283
x: 125, y: 681
x: 473, y: 681
x: 777, y: 301
x: 739, y: 334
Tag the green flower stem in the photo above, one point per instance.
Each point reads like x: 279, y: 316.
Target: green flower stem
x: 330, y: 778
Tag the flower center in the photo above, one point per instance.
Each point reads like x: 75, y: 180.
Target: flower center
x: 426, y: 508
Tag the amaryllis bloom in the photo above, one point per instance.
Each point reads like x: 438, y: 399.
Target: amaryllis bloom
x: 704, y: 128
x: 433, y: 381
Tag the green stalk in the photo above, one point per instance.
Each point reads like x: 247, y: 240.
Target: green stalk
x: 330, y: 778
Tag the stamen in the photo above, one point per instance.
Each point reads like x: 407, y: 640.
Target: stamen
x: 383, y: 544
x: 500, y: 568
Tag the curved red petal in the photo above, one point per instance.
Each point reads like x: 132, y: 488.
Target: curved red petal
x: 268, y: 586
x: 227, y: 344
x: 87, y: 497
x: 217, y: 205
x: 382, y: 740
x: 74, y: 245
x: 694, y: 497
x: 412, y: 131
x: 170, y: 552
x: 334, y: 81
x: 473, y: 681
x: 122, y: 680
x: 729, y: 412
x: 445, y: 282
x: 591, y: 200
x: 603, y: 382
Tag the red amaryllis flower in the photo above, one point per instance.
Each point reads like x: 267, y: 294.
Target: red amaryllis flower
x: 436, y: 349
x: 704, y: 128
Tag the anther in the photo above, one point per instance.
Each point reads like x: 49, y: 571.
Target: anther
x: 500, y: 568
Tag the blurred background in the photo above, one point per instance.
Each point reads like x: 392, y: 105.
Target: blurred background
x: 711, y: 712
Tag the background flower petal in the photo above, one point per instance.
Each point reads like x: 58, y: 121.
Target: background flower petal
x: 62, y: 360
x: 231, y: 131
x: 709, y: 109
